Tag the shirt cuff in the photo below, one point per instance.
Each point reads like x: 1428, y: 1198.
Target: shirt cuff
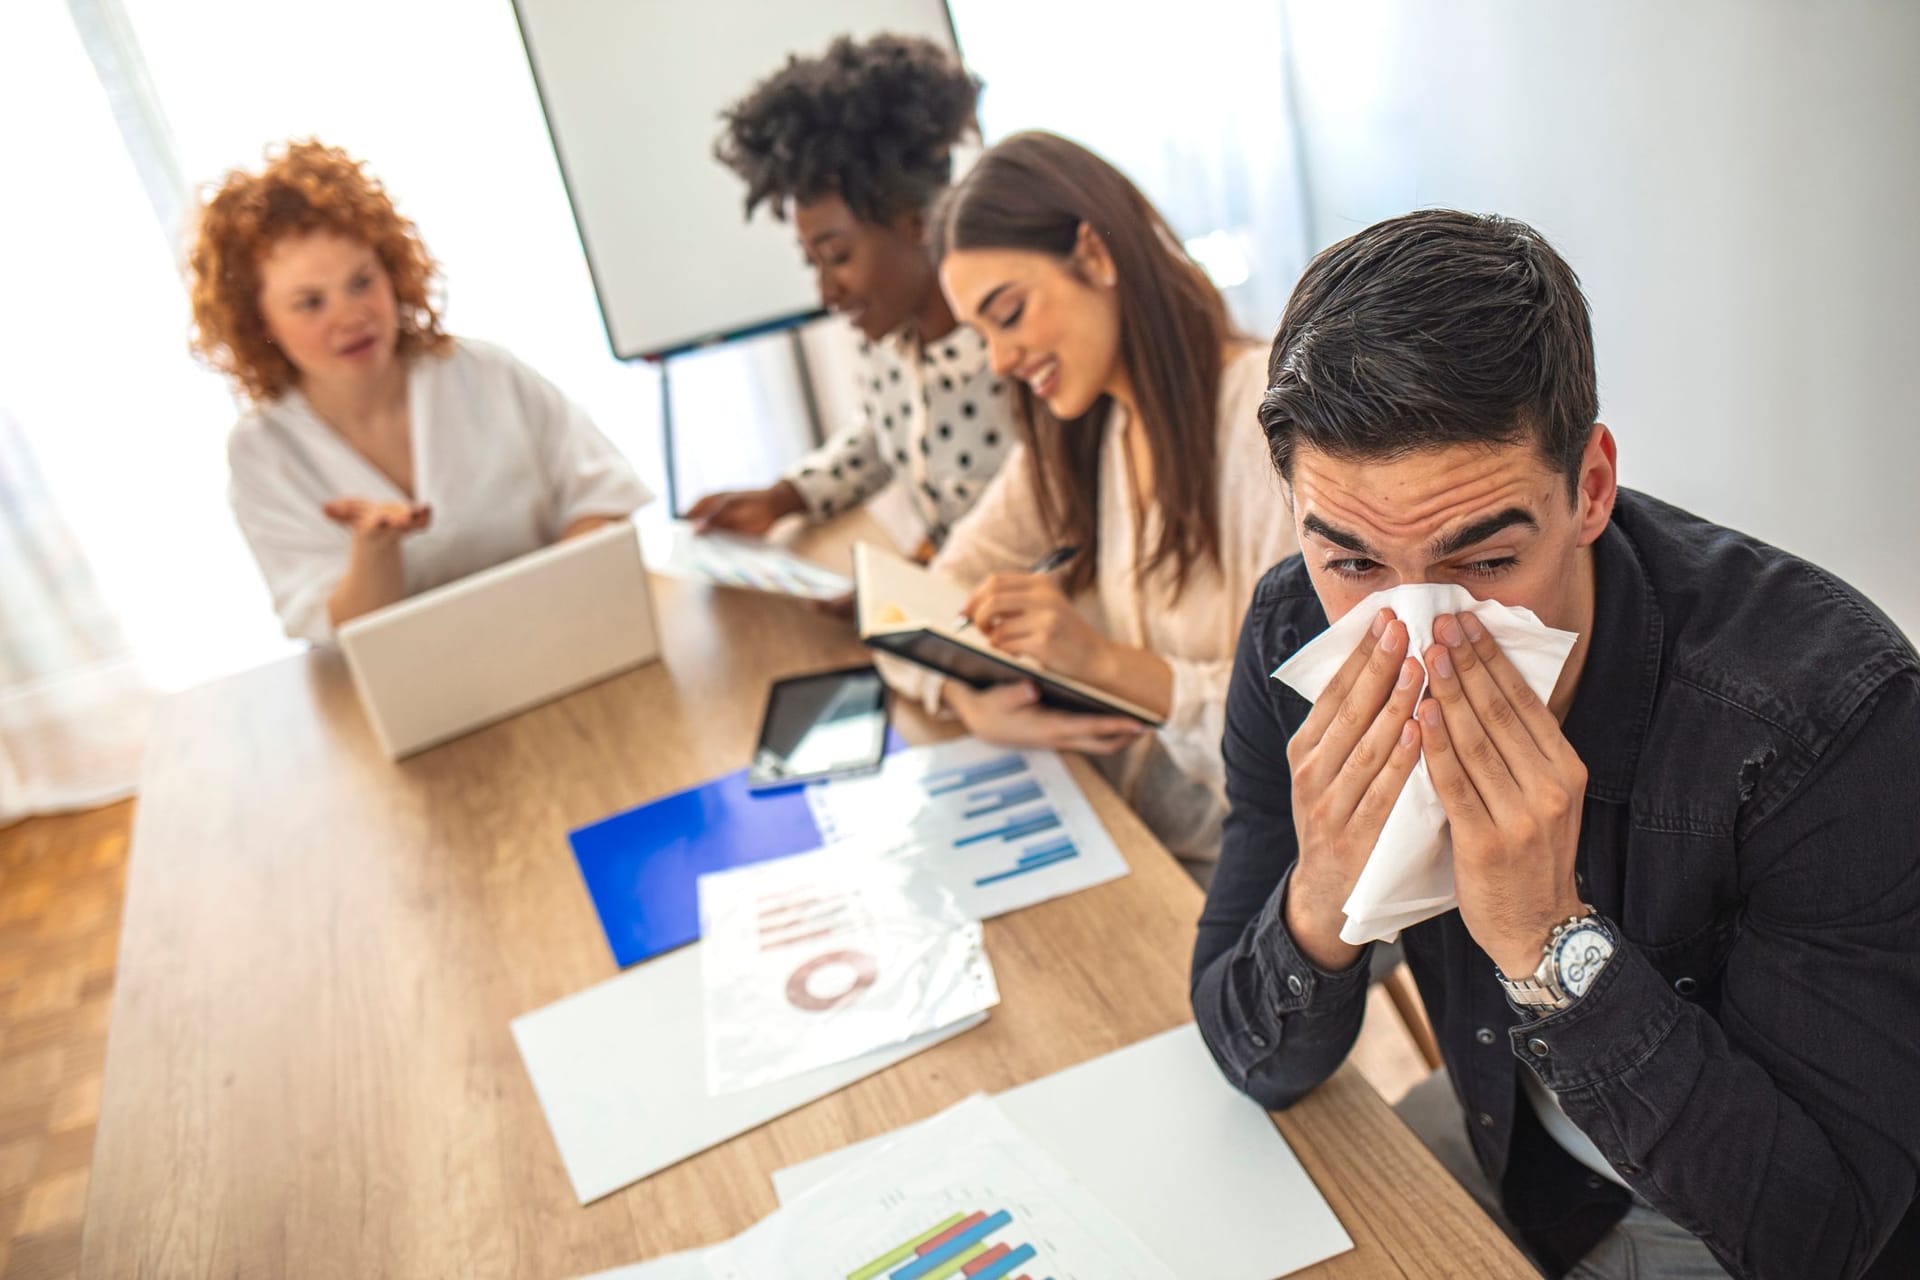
x: 817, y: 489
x: 1296, y: 982
x: 1620, y: 1022
x: 826, y: 493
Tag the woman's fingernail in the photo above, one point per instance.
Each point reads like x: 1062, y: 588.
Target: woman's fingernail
x: 1408, y: 670
x: 1430, y: 713
x: 1447, y: 629
x: 1471, y: 625
x: 1379, y: 623
x: 1406, y: 734
x: 1442, y: 665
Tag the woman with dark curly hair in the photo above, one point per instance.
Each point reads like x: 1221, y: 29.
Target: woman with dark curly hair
x: 1140, y: 446
x: 855, y: 145
x: 381, y: 456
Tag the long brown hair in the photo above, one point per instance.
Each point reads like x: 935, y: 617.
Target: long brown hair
x: 1033, y: 191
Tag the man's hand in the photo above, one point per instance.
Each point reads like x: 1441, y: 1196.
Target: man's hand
x: 1349, y: 761
x: 1512, y: 787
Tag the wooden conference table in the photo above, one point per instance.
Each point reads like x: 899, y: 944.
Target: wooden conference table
x: 309, y: 1070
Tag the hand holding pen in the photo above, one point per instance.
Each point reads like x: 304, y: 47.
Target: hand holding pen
x: 1054, y: 559
x: 1028, y: 615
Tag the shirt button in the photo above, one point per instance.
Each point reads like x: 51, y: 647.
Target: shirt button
x: 1484, y: 1035
x: 1685, y: 986
x: 1294, y: 984
x: 1537, y: 1047
x: 1257, y: 1040
x: 1486, y: 1121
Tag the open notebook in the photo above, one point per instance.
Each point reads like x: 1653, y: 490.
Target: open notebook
x: 914, y: 614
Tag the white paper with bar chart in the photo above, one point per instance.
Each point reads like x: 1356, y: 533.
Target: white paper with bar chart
x: 1002, y: 828
x: 964, y: 1196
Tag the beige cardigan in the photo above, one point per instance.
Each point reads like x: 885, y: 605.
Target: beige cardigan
x: 1172, y: 778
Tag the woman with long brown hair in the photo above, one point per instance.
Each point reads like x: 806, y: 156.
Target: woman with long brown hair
x: 1140, y: 449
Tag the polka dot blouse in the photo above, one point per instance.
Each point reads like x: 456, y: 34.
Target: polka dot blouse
x: 937, y: 418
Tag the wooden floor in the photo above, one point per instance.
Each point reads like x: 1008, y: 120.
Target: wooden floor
x: 61, y: 884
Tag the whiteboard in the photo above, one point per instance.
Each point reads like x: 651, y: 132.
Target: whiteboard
x: 632, y: 91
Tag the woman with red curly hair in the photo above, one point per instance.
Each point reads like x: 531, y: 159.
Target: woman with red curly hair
x: 381, y: 456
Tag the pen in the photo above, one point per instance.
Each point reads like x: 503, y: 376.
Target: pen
x: 1047, y: 563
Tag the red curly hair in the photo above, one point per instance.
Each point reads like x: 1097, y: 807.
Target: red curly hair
x: 306, y: 186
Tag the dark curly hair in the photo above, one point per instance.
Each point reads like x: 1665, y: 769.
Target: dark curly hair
x: 873, y: 122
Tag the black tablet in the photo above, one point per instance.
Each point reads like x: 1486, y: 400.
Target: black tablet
x: 826, y: 725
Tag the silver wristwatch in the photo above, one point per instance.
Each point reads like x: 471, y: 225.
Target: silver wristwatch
x: 1576, y: 951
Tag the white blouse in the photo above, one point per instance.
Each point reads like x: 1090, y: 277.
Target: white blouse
x: 504, y: 459
x: 1173, y: 778
x: 938, y: 418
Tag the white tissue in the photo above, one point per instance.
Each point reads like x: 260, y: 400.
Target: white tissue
x: 1409, y: 875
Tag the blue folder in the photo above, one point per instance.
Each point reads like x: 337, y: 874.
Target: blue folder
x: 641, y: 866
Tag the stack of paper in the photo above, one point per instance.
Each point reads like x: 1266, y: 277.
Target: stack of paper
x: 815, y: 959
x: 1194, y: 1166
x: 620, y: 1069
x: 1151, y: 1136
x: 727, y: 560
x: 967, y: 1192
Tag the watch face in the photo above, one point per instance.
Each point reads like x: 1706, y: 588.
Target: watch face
x: 1578, y: 957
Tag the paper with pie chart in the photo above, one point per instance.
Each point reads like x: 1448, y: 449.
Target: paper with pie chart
x: 824, y: 956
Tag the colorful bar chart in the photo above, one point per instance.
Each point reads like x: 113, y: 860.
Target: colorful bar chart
x: 1040, y: 855
x: 958, y: 1246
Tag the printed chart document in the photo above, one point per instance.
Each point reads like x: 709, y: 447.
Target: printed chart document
x: 814, y: 959
x: 914, y: 613
x: 1192, y: 1165
x: 620, y: 1070
x: 966, y: 1194
x: 727, y: 560
x: 1003, y: 829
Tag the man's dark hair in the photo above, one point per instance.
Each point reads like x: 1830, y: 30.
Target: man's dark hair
x: 1433, y: 329
x: 871, y: 121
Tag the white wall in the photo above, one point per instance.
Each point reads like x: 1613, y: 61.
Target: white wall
x: 1737, y: 184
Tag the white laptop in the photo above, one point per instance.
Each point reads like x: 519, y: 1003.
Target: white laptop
x: 447, y: 661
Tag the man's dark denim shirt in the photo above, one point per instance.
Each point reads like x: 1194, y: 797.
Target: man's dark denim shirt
x: 1750, y: 1060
